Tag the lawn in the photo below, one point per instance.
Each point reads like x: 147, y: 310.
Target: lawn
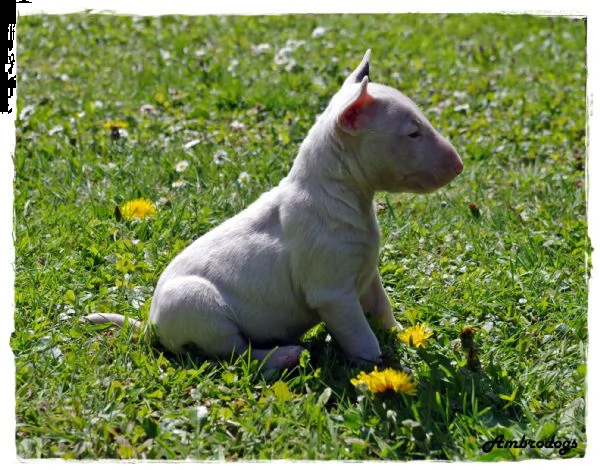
x: 108, y: 106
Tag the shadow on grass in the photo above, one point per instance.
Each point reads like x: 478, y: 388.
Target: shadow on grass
x: 449, y: 394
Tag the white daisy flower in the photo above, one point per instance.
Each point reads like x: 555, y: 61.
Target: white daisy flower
x: 26, y: 111
x: 147, y: 109
x: 181, y: 166
x: 177, y: 184
x: 220, y: 157
x: 190, y: 144
x: 243, y: 178
x: 56, y: 129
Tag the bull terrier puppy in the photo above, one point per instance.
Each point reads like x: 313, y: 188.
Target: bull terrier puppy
x: 306, y: 251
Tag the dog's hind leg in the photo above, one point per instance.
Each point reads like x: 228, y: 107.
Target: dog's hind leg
x: 225, y: 343
x: 191, y: 310
x: 282, y: 357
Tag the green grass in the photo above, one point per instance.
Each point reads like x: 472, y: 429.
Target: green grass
x: 504, y: 248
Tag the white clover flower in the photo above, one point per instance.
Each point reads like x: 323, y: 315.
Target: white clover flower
x: 56, y: 353
x: 201, y: 412
x: 282, y: 56
x: 318, y: 81
x: 243, y: 178
x: 261, y: 48
x: 290, y: 65
x: 237, y: 125
x: 220, y: 157
x: 64, y: 317
x: 294, y: 44
x: 318, y: 31
x: 232, y: 65
x: 181, y: 166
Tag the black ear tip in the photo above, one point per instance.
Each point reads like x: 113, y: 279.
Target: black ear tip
x: 361, y: 71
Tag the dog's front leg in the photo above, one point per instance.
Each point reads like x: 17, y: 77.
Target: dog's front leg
x: 345, y: 320
x: 376, y: 302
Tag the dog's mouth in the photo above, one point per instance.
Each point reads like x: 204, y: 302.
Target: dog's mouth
x: 424, y: 183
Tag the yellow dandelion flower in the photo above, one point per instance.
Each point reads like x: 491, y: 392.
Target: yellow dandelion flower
x: 417, y: 335
x: 138, y: 209
x: 115, y: 124
x: 388, y: 379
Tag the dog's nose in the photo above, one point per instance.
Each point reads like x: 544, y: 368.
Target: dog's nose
x: 452, y: 158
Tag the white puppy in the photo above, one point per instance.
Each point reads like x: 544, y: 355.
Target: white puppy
x: 306, y: 251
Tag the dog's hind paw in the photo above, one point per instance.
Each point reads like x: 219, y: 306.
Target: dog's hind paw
x: 284, y: 357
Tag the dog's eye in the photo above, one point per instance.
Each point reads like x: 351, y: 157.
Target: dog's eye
x: 415, y: 135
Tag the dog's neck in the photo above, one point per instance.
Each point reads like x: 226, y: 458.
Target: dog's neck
x: 327, y: 164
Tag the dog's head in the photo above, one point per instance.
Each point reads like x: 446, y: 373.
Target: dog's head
x: 396, y: 146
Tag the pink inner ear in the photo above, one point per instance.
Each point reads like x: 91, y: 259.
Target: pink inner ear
x: 351, y: 116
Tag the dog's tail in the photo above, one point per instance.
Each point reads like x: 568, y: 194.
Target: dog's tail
x: 115, y: 318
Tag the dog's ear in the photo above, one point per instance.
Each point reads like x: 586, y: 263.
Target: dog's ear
x: 354, y: 115
x: 361, y: 71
